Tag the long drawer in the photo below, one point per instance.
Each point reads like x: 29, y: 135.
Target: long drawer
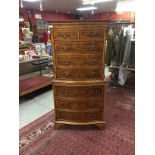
x: 91, y: 34
x: 79, y: 116
x: 82, y: 104
x: 78, y: 92
x: 64, y: 34
x: 79, y: 60
x: 65, y: 73
x: 84, y: 47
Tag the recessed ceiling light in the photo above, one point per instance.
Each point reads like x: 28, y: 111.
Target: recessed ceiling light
x: 41, y: 7
x: 21, y: 4
x: 92, y: 12
x: 125, y: 6
x: 94, y: 1
x: 87, y: 8
x: 119, y: 12
x: 21, y: 19
x: 30, y: 0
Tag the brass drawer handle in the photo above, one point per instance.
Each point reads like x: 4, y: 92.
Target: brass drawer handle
x: 92, y: 62
x: 91, y: 47
x: 92, y: 34
x: 64, y: 75
x: 96, y: 91
x: 65, y: 62
x: 91, y: 74
x: 94, y: 49
x: 65, y: 35
x: 68, y: 34
x: 78, y: 46
x: 67, y: 48
x: 65, y: 93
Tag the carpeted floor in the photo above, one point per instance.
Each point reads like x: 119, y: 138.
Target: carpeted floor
x: 39, y: 138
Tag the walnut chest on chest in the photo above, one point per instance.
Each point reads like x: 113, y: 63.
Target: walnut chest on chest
x: 78, y: 55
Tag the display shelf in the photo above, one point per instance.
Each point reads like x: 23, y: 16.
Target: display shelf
x: 36, y: 82
x: 32, y: 84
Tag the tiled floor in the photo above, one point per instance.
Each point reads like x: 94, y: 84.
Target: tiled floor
x: 31, y: 109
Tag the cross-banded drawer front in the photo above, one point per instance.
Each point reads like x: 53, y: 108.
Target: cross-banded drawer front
x: 78, y: 74
x: 90, y: 47
x: 76, y: 104
x: 91, y: 34
x: 79, y: 91
x: 65, y: 47
x: 79, y: 116
x: 73, y: 47
x: 79, y: 60
x: 65, y: 34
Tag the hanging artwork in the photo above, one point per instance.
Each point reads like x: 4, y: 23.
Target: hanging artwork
x: 41, y: 25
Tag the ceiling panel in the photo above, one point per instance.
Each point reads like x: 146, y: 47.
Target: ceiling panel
x: 71, y: 5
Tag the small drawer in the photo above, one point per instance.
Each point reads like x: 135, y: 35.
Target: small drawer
x: 91, y: 34
x: 78, y: 74
x: 91, y: 47
x: 64, y: 34
x: 76, y: 104
x: 65, y: 47
x: 79, y: 116
x: 79, y: 60
x: 79, y: 91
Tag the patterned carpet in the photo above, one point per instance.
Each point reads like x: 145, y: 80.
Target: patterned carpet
x: 118, y: 138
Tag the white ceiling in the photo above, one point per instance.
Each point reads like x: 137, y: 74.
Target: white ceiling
x: 71, y: 5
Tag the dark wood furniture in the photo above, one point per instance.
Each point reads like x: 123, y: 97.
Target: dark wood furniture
x: 32, y: 65
x: 78, y: 51
x: 32, y: 84
x: 36, y: 82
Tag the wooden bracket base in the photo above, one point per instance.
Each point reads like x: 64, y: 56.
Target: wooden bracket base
x: 100, y: 126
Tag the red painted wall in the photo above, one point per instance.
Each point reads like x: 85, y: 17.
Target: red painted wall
x: 47, y: 15
x: 113, y: 16
x: 50, y: 16
x: 94, y: 16
x: 64, y: 16
x: 24, y: 13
